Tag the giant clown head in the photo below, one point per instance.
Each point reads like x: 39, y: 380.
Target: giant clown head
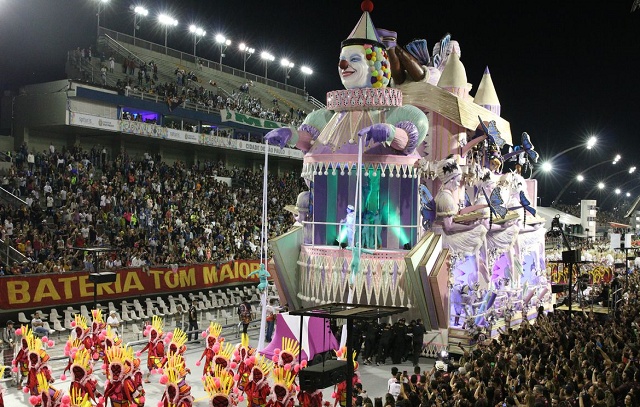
x: 363, y: 60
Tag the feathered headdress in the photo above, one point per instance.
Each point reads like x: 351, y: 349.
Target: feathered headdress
x: 79, y: 398
x: 157, y: 323
x: 290, y: 350
x: 177, y: 341
x: 80, y: 321
x: 97, y: 315
x: 261, y: 369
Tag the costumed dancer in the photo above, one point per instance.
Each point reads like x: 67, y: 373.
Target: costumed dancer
x: 288, y: 355
x: 109, y: 339
x: 119, y: 388
x: 258, y: 388
x: 310, y: 399
x: 340, y: 393
x: 38, y: 359
x: 177, y: 392
x: 242, y: 361
x: 284, y: 391
x: 79, y: 400
x: 221, y: 390
x: 82, y: 332
x: 20, y: 364
x: 48, y: 396
x: 82, y: 378
x: 175, y: 345
x: 70, y: 349
x: 155, y: 346
x: 223, y: 360
x: 135, y: 375
x: 212, y: 345
x: 97, y: 334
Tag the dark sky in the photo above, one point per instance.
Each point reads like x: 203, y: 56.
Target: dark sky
x: 562, y: 69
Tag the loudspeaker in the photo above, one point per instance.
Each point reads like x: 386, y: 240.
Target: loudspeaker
x: 571, y: 256
x: 321, y: 376
x: 99, y: 278
x: 558, y: 288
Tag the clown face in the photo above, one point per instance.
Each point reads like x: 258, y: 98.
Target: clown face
x: 353, y: 67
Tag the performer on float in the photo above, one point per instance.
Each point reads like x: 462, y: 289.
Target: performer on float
x: 82, y: 378
x: 220, y: 388
x: 242, y: 361
x: 258, y: 389
x: 47, y: 396
x: 263, y: 274
x: 20, y: 364
x: 155, y: 346
x: 349, y: 227
x: 38, y: 359
x: 119, y: 388
x: 283, y: 393
x: 177, y: 392
x: 212, y: 345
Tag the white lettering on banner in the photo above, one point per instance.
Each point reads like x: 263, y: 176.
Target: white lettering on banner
x: 80, y: 119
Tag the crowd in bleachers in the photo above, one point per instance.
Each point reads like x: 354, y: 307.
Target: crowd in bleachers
x: 154, y: 212
x: 602, y: 217
x: 588, y: 360
x: 189, y: 88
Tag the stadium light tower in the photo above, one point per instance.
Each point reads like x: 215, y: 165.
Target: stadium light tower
x: 166, y: 21
x: 138, y: 12
x: 101, y: 4
x: 267, y: 57
x: 247, y: 52
x: 305, y: 72
x: 223, y: 42
x: 198, y: 35
x: 288, y: 66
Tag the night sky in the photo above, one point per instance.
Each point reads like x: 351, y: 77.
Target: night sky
x: 562, y: 69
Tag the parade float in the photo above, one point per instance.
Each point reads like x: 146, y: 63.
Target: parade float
x: 418, y: 195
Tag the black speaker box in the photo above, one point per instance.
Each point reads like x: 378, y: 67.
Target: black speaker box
x: 99, y: 278
x: 558, y: 288
x: 571, y: 256
x: 321, y: 376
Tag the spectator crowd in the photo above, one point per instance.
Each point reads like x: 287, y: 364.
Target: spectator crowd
x: 155, y: 213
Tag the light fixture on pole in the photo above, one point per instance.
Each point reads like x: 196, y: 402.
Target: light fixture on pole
x: 223, y: 42
x: 247, y: 52
x: 568, y: 184
x: 141, y: 12
x: 198, y: 34
x: 166, y: 21
x: 100, y: 10
x: 288, y: 66
x: 589, y: 144
x: 267, y: 57
x: 305, y: 72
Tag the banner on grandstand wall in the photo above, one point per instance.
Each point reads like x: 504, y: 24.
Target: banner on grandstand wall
x: 273, y: 150
x: 24, y: 292
x: 96, y: 122
x: 143, y: 129
x: 183, y: 136
x: 231, y: 116
x: 217, y: 141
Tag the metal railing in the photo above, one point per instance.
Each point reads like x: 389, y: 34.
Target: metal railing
x: 189, y: 58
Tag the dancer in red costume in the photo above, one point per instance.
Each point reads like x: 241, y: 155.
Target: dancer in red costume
x: 222, y: 360
x: 82, y: 332
x: 120, y: 388
x: 340, y: 393
x: 97, y: 334
x: 242, y: 362
x: 47, y: 396
x: 284, y: 392
x: 258, y: 389
x: 82, y: 379
x: 21, y: 362
x: 2, y: 368
x: 220, y: 388
x: 38, y: 359
x: 155, y: 346
x: 212, y: 345
x: 135, y: 375
x: 177, y: 392
x: 310, y: 399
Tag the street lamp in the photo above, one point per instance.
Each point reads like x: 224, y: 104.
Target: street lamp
x: 305, y: 71
x: 198, y: 34
x: 600, y: 185
x: 138, y: 11
x: 100, y: 10
x: 615, y: 160
x: 223, y: 43
x: 166, y: 21
x: 547, y: 166
x: 267, y: 57
x: 288, y: 66
x: 589, y: 144
x: 630, y: 171
x: 246, y: 50
x: 580, y: 178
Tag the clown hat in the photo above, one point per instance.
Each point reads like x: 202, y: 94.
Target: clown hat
x: 364, y: 32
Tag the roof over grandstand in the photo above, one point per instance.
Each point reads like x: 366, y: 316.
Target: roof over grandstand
x: 548, y: 213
